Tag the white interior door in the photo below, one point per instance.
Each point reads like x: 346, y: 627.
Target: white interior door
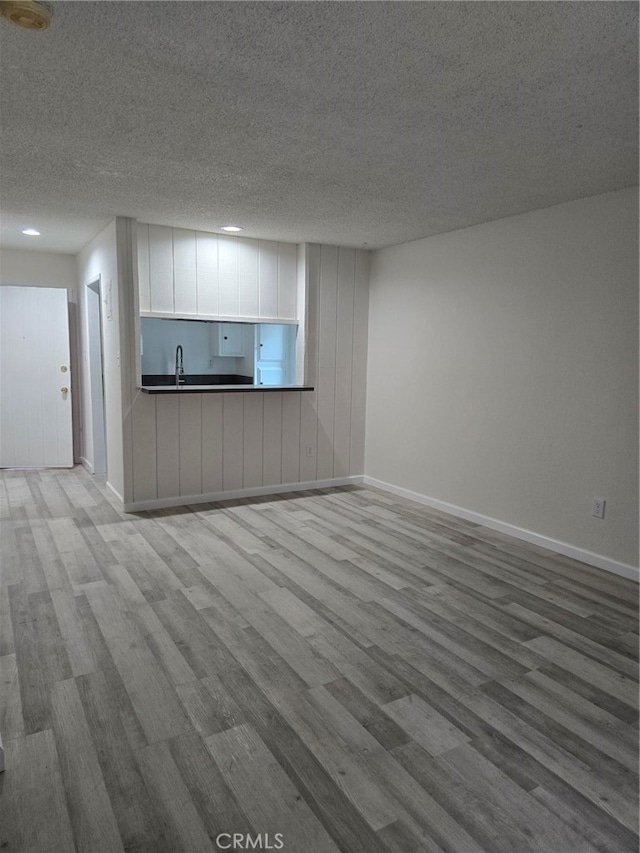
x: 35, y: 379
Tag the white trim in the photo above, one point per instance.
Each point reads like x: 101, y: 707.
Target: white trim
x: 218, y: 318
x: 115, y: 492
x: 86, y: 464
x: 598, y: 560
x: 186, y: 500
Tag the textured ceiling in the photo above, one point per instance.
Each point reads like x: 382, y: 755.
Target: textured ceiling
x: 345, y: 123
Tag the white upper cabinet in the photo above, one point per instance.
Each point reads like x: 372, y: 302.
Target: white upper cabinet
x: 268, y: 279
x: 185, y: 300
x: 287, y: 268
x: 143, y: 266
x: 161, y: 269
x: 228, y: 275
x: 248, y: 278
x: 187, y: 273
x: 227, y: 339
x: 207, y: 287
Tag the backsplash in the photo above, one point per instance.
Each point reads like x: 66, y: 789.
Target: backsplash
x: 161, y: 337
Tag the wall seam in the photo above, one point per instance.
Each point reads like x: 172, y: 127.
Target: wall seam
x: 335, y: 367
x: 353, y: 337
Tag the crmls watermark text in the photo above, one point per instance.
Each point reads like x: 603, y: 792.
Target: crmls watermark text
x: 243, y: 841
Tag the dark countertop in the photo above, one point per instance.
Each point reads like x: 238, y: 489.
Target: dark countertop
x: 153, y: 379
x: 218, y: 389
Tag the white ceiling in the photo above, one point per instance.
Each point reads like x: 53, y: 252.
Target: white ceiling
x: 345, y: 123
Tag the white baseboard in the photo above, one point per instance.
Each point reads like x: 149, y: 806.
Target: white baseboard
x: 597, y: 560
x: 257, y: 491
x: 86, y: 464
x: 115, y: 492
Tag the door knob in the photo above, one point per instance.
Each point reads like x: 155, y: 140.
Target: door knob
x: 64, y: 389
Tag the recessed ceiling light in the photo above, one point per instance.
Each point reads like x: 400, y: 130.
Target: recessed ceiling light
x: 31, y: 232
x: 28, y: 14
x: 231, y: 228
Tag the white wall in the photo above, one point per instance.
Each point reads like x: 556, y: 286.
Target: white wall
x: 196, y: 444
x: 244, y: 364
x: 39, y: 269
x: 98, y: 259
x: 50, y: 269
x: 518, y: 395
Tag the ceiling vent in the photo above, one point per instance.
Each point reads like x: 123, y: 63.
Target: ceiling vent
x: 28, y: 14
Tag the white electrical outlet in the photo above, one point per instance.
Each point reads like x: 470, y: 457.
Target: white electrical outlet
x: 309, y: 451
x: 597, y: 508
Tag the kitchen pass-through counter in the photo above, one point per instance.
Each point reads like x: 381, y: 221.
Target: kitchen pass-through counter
x: 213, y: 389
x: 209, y: 383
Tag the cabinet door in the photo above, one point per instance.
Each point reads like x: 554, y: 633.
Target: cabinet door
x: 274, y: 354
x: 143, y: 267
x: 207, y: 273
x: 228, y: 275
x: 268, y: 279
x: 184, y: 271
x: 271, y: 342
x: 232, y: 342
x: 161, y: 269
x: 271, y: 375
x: 227, y: 339
x: 287, y: 281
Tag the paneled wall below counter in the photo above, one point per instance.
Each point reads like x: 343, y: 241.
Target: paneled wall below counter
x: 196, y: 273
x: 200, y: 445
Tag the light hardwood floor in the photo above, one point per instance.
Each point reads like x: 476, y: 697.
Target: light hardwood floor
x: 345, y: 668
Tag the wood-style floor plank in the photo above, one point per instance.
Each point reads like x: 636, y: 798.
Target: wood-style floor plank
x: 110, y: 720
x: 33, y: 806
x: 217, y: 807
x: 433, y: 732
x: 92, y: 817
x: 154, y: 700
x: 269, y: 797
x: 343, y: 669
x: 187, y: 831
x: 11, y: 716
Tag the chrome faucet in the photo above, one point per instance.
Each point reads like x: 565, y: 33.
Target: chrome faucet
x: 179, y: 367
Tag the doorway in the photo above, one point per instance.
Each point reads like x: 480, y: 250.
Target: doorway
x: 96, y: 377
